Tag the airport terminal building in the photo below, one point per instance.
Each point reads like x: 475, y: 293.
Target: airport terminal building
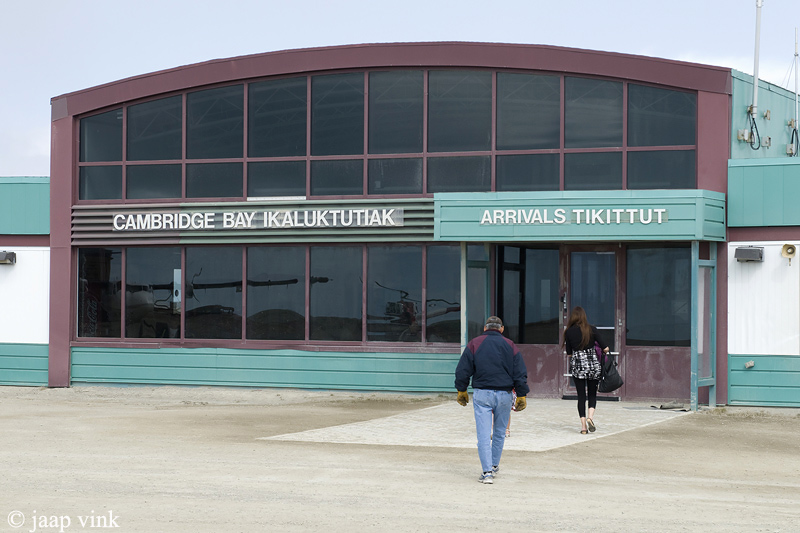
x: 347, y: 217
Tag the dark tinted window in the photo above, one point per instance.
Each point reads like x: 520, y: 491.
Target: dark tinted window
x: 277, y: 118
x: 395, y: 112
x: 459, y: 174
x: 659, y: 297
x: 276, y: 178
x: 336, y: 289
x: 213, y: 296
x: 154, y: 129
x: 593, y: 171
x: 153, y: 181
x: 276, y: 293
x: 214, y: 180
x: 100, y: 183
x: 337, y: 114
x: 339, y: 177
x: 152, y: 309
x: 214, y: 123
x: 443, y: 302
x: 101, y: 137
x: 593, y: 113
x: 667, y: 169
x: 528, y: 111
x: 395, y: 176
x: 660, y: 117
x: 533, y: 172
x: 99, y: 292
x: 394, y: 293
x: 459, y: 111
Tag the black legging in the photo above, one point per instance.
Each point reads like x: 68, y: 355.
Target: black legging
x: 581, y: 385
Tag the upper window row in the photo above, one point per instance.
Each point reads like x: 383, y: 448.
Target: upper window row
x: 385, y: 113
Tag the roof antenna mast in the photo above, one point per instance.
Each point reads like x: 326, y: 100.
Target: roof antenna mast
x: 753, y: 108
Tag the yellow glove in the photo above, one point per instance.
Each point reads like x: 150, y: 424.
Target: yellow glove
x: 521, y: 404
x: 463, y: 397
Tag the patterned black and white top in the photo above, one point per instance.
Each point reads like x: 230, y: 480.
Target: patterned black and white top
x: 583, y: 363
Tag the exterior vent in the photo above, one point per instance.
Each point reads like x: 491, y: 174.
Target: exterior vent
x: 746, y: 254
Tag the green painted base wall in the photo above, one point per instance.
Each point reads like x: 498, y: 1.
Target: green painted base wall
x: 774, y: 380
x: 23, y: 364
x: 266, y: 368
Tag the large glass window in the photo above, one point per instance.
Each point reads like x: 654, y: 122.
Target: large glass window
x: 337, y: 114
x: 443, y: 294
x: 276, y: 293
x: 153, y: 181
x: 593, y: 170
x: 661, y: 117
x: 659, y: 297
x: 395, y: 176
x: 276, y: 178
x: 528, y: 111
x: 459, y: 111
x: 337, y: 177
x: 527, y: 172
x: 277, y: 118
x: 214, y: 123
x: 214, y: 180
x: 154, y: 130
x: 395, y: 112
x: 101, y: 137
x: 394, y: 293
x: 662, y: 169
x: 100, y: 183
x: 459, y: 174
x: 592, y: 113
x: 99, y: 292
x: 336, y: 289
x: 213, y: 295
x: 152, y: 305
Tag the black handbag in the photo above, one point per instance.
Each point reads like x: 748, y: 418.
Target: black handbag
x: 610, y: 380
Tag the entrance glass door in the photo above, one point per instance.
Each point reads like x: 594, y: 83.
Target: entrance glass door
x: 593, y: 286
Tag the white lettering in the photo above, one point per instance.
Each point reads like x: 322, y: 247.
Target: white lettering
x: 660, y: 212
x: 387, y: 217
x: 511, y: 216
x: 561, y: 216
x: 649, y: 216
x: 486, y: 218
x: 498, y: 217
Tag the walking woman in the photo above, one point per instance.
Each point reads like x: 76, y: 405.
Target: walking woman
x: 579, y: 339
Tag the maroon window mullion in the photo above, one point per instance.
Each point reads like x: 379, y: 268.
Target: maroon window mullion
x: 364, y: 274
x: 562, y: 119
x: 124, y: 191
x: 625, y: 136
x: 308, y: 294
x: 184, y: 127
x: 183, y: 295
x: 425, y: 132
x: 308, y: 136
x: 493, y: 160
x: 245, y: 150
x: 244, y: 294
x: 365, y: 177
x: 123, y: 284
x: 424, y: 303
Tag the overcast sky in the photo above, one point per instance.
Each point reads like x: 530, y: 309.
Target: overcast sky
x: 53, y: 47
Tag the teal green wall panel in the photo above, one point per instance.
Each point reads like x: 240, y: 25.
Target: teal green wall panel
x: 774, y: 380
x: 25, y: 206
x: 265, y: 368
x: 23, y: 364
x: 763, y: 192
x: 686, y: 215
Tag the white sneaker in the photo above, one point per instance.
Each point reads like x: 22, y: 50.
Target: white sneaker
x: 495, y: 470
x: 487, y: 478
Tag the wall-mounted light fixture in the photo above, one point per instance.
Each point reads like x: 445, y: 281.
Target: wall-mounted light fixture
x: 745, y: 254
x: 8, y: 258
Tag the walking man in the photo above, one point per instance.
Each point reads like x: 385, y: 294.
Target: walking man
x: 496, y: 368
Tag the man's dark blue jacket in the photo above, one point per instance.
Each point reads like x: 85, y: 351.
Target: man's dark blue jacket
x: 493, y: 362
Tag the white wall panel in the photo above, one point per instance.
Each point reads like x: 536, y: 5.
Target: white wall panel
x: 25, y: 296
x: 764, y: 302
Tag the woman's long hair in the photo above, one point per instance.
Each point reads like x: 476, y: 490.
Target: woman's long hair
x: 578, y: 318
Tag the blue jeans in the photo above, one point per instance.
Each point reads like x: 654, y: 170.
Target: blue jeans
x: 492, y: 408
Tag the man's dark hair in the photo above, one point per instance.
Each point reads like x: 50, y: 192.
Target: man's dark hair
x: 494, y: 322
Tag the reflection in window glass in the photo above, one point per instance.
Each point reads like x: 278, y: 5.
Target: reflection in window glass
x: 101, y: 137
x: 529, y: 172
x: 459, y: 174
x: 214, y: 123
x: 277, y: 118
x: 100, y: 183
x: 528, y: 111
x: 336, y: 289
x: 213, y: 295
x: 276, y: 178
x: 394, y: 293
x: 276, y: 293
x: 214, y: 180
x: 593, y: 171
x: 666, y: 169
x: 337, y: 114
x: 152, y: 275
x: 443, y: 301
x: 395, y: 112
x: 337, y: 177
x: 477, y: 288
x: 153, y: 181
x: 660, y: 117
x: 154, y: 130
x: 592, y: 113
x: 395, y: 176
x: 459, y: 111
x: 99, y: 292
x: 659, y: 297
